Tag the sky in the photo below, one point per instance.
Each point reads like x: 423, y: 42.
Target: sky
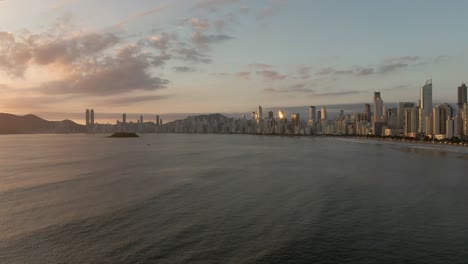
x: 60, y: 57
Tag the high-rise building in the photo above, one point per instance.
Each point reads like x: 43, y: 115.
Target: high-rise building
x: 367, y: 111
x: 440, y: 114
x: 462, y: 100
x: 462, y: 95
x: 411, y: 121
x: 92, y: 117
x: 260, y: 112
x: 319, y: 115
x: 391, y: 118
x: 296, y: 120
x: 378, y: 107
x: 157, y: 120
x: 341, y: 114
x: 450, y: 128
x: 376, y: 95
x: 141, y: 119
x: 465, y: 119
x: 401, y: 112
x: 312, y: 115
x: 87, y: 117
x: 124, y: 118
x: 271, y: 115
x: 324, y: 113
x: 426, y: 104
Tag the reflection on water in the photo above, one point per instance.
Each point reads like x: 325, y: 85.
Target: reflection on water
x: 230, y: 199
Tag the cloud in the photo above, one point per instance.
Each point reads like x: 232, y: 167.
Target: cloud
x: 364, y: 71
x: 341, y: 93
x: 397, y: 87
x: 16, y: 55
x: 243, y: 75
x: 262, y: 66
x: 59, y: 4
x: 303, y: 88
x: 183, y: 69
x: 392, y: 67
x: 128, y: 100
x: 204, y: 41
x: 265, y: 13
x: 134, y: 17
x: 387, y: 66
x: 200, y: 24
x: 213, y: 4
x: 271, y: 75
x: 191, y: 55
x: 162, y: 41
x: 127, y: 71
x: 304, y: 71
x: 332, y: 71
x: 244, y: 9
x: 295, y: 88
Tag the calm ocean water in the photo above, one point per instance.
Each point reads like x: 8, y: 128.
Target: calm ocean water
x: 230, y: 199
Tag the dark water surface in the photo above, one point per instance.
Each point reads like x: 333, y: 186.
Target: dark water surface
x: 230, y: 199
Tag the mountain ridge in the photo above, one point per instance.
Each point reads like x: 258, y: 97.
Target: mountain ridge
x: 32, y: 124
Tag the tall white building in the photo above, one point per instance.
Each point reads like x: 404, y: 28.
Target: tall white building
x: 426, y: 104
x: 324, y: 113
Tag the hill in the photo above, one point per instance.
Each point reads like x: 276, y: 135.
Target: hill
x: 31, y: 124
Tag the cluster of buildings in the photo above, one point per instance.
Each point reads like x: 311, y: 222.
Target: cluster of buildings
x: 122, y: 125
x: 406, y: 119
x: 419, y: 119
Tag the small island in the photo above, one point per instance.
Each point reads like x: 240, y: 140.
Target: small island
x: 124, y: 135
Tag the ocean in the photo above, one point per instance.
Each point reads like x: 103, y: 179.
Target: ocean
x: 187, y: 198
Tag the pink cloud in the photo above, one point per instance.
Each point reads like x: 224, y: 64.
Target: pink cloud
x: 271, y: 75
x: 243, y: 75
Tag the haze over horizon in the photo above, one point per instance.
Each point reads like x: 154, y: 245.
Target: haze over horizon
x: 224, y: 56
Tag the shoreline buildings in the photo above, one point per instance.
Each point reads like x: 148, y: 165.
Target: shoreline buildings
x: 405, y: 119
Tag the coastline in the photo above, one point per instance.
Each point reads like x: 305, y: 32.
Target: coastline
x: 371, y: 138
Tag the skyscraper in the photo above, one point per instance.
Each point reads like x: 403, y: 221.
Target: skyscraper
x: 426, y: 104
x: 341, y: 114
x: 462, y: 99
x: 124, y: 118
x: 296, y: 120
x: 260, y: 112
x: 271, y: 115
x: 411, y: 117
x: 440, y: 114
x: 87, y: 117
x: 141, y: 119
x: 367, y: 111
x: 92, y: 118
x: 391, y: 118
x: 378, y: 107
x: 401, y: 112
x: 324, y: 113
x: 462, y: 96
x: 312, y: 115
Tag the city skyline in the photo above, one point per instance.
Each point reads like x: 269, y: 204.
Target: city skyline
x: 224, y: 56
x: 421, y: 120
